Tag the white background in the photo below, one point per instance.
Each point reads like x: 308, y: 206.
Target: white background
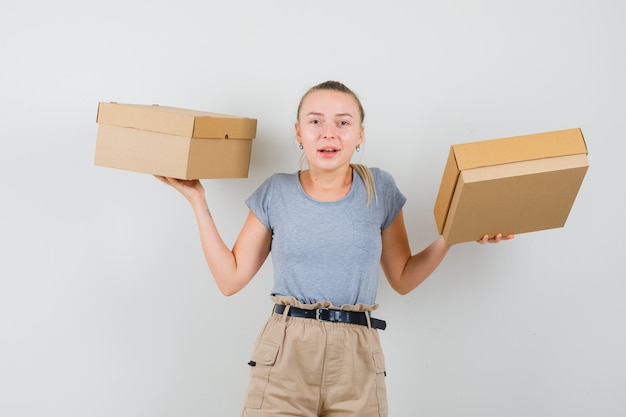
x: 106, y: 305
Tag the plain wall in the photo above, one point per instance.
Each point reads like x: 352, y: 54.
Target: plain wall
x: 107, y: 307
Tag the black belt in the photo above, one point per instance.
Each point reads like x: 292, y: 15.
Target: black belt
x: 326, y: 314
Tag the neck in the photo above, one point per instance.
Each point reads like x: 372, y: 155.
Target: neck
x: 327, y: 186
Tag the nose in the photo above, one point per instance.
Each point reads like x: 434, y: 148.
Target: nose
x: 329, y: 131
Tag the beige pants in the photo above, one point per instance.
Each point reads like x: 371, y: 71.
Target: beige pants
x: 304, y: 367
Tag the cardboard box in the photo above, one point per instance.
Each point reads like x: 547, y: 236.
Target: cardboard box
x: 173, y: 142
x: 511, y: 185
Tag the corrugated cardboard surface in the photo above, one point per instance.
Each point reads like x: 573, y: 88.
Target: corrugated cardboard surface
x: 173, y: 142
x: 511, y: 185
x: 176, y: 121
x: 170, y: 155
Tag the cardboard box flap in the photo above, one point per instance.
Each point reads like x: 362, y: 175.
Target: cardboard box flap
x: 444, y: 196
x: 176, y: 121
x: 519, y: 148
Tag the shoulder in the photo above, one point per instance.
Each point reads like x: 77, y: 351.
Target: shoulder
x: 381, y: 176
x: 284, y: 177
x: 279, y: 179
x: 279, y: 182
x: 386, y: 186
x: 277, y: 186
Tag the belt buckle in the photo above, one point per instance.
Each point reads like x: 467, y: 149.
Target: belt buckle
x: 322, y: 314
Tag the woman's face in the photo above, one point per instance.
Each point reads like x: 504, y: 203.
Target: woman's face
x: 329, y: 128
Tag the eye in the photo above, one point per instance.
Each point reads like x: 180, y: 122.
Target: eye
x: 343, y: 123
x: 315, y: 121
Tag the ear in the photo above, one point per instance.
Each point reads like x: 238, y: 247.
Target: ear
x: 361, y: 135
x: 297, y: 128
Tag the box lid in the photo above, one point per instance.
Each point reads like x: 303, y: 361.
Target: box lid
x: 502, y: 152
x: 519, y: 148
x: 176, y: 121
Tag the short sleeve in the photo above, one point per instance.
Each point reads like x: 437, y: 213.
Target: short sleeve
x: 259, y: 202
x: 389, y: 195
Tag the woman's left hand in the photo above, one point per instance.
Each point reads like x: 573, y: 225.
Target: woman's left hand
x: 497, y: 238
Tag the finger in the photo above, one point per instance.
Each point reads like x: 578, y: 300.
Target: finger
x: 161, y: 178
x: 483, y: 240
x: 169, y: 181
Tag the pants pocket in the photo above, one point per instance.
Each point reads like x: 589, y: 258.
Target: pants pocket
x: 381, y: 389
x: 263, y: 359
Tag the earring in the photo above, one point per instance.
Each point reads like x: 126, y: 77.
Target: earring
x: 300, y: 146
x: 358, y: 148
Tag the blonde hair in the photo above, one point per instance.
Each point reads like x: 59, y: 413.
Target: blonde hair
x: 333, y: 86
x: 363, y: 171
x: 366, y: 175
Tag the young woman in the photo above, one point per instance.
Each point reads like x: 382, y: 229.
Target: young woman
x: 329, y: 229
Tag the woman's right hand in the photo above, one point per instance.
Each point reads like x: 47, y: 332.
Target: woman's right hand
x: 190, y: 189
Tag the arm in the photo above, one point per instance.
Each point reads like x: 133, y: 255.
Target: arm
x: 231, y: 269
x: 403, y: 270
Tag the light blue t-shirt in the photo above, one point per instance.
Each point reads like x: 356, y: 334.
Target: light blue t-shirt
x: 326, y: 251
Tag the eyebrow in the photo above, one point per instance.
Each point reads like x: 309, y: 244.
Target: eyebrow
x: 314, y: 113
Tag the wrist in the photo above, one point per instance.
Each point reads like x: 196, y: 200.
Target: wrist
x: 198, y: 203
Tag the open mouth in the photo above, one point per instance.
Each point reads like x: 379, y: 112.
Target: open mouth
x: 328, y: 150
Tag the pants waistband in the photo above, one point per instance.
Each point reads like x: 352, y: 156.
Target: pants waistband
x: 325, y: 314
